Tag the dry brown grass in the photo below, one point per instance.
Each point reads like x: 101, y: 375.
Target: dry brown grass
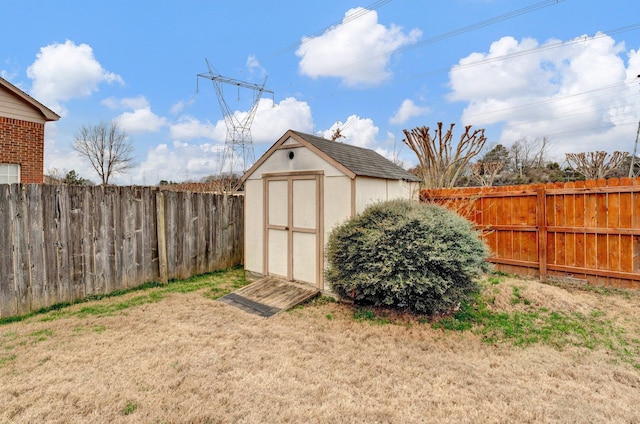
x: 190, y: 359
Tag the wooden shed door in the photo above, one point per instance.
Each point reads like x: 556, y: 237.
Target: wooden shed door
x: 293, y: 242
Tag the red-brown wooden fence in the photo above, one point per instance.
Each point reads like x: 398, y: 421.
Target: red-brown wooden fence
x: 585, y: 230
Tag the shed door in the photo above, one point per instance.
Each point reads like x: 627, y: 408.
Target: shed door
x: 293, y: 239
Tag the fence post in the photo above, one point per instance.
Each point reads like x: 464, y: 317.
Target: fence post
x: 162, y: 238
x: 541, y: 218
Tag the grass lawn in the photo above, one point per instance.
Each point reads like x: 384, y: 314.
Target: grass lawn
x: 522, y: 352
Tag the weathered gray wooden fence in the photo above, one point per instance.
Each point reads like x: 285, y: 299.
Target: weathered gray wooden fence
x: 64, y: 243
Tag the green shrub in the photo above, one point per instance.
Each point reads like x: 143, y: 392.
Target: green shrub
x: 406, y: 255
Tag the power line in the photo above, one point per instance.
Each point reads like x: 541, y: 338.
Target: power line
x: 363, y: 11
x: 632, y: 27
x: 557, y: 99
x: 582, y: 129
x: 633, y: 156
x: 469, y: 28
x: 575, y: 128
x: 462, y: 30
x: 593, y: 107
x: 444, y: 36
x: 481, y: 24
x: 563, y: 117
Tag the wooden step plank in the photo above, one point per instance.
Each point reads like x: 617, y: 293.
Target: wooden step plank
x: 269, y: 296
x: 261, y: 309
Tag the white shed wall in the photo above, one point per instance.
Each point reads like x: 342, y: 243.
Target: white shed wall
x: 398, y: 189
x: 373, y: 190
x: 303, y: 160
x: 337, y: 202
x: 253, y: 226
x: 368, y: 191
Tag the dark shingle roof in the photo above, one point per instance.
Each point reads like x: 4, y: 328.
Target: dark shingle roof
x: 360, y: 161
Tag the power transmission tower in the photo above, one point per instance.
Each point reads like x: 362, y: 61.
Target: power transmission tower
x: 632, y: 171
x: 238, y: 149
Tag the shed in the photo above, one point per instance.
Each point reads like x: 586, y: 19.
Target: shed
x: 299, y: 190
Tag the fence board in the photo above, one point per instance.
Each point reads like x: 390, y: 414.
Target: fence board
x: 8, y: 301
x: 100, y: 241
x: 169, y: 198
x: 613, y: 222
x: 588, y: 230
x: 22, y: 263
x: 128, y: 208
x: 106, y: 238
x: 183, y: 234
x: 570, y: 221
x: 36, y: 247
x: 6, y: 253
x: 51, y: 282
x: 201, y: 242
x: 117, y: 267
x: 63, y: 243
x: 77, y: 217
x: 150, y: 238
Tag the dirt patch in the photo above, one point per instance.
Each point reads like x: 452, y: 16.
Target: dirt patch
x: 188, y: 358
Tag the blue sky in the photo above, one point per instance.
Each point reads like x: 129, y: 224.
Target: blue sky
x: 565, y: 70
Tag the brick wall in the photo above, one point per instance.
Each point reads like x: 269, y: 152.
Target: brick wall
x: 22, y: 142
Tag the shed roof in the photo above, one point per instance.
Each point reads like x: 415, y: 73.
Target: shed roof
x: 357, y: 161
x: 47, y: 113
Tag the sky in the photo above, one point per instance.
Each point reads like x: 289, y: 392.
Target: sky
x: 564, y: 70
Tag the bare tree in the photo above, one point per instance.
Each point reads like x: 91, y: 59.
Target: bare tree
x: 595, y: 165
x: 107, y: 147
x: 485, y: 172
x: 337, y: 134
x: 440, y: 165
x: 57, y: 176
x: 527, y: 155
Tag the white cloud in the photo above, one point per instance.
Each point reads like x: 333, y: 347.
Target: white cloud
x: 357, y: 51
x: 196, y: 150
x: 139, y: 102
x: 390, y: 154
x: 270, y: 122
x: 578, y: 93
x: 358, y: 131
x: 254, y: 67
x: 633, y: 70
x: 197, y: 146
x: 177, y: 107
x: 362, y: 132
x: 65, y: 71
x: 8, y: 75
x: 500, y: 78
x: 140, y: 120
x: 273, y: 120
x: 407, y: 110
x: 178, y: 162
x: 189, y: 128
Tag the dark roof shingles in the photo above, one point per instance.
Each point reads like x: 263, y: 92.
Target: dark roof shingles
x: 360, y: 161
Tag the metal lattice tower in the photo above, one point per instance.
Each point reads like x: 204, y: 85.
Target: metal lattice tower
x: 238, y: 148
x: 632, y: 172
